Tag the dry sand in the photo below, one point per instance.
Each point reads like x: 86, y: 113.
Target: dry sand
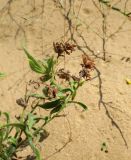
x: 39, y: 24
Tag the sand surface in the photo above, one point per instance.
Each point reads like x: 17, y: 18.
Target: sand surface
x: 39, y: 23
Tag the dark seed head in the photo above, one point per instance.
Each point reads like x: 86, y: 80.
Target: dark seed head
x: 104, y: 144
x: 106, y: 151
x: 21, y: 102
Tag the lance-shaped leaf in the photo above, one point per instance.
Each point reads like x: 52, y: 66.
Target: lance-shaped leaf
x: 48, y: 64
x: 17, y: 125
x: 80, y: 104
x: 35, y: 95
x: 31, y: 120
x: 50, y: 105
x: 34, y: 64
x: 7, y: 122
x: 35, y: 150
x: 56, y: 109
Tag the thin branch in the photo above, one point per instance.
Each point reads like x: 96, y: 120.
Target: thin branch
x: 116, y: 9
x: 104, y: 29
x: 101, y: 102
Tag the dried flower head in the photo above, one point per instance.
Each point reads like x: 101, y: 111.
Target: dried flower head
x: 87, y: 66
x: 64, y: 74
x: 87, y: 62
x: 50, y: 91
x: 21, y: 102
x: 61, y: 47
x: 85, y: 73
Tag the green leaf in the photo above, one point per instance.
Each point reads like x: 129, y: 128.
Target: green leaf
x: 34, y: 64
x: 80, y: 104
x: 50, y: 63
x: 17, y: 125
x: 31, y: 120
x: 35, y: 150
x: 45, y: 91
x: 46, y: 77
x: 57, y: 109
x: 42, y: 118
x: 7, y: 122
x: 74, y: 85
x: 2, y: 132
x: 9, y: 151
x: 61, y: 92
x: 49, y: 68
x: 66, y: 90
x: 37, y: 95
x: 50, y: 105
x: 12, y: 140
x: 7, y: 117
x: 36, y: 68
x: 104, y: 1
x: 2, y: 75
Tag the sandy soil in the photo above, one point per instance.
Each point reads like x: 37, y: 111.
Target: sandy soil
x: 40, y: 23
